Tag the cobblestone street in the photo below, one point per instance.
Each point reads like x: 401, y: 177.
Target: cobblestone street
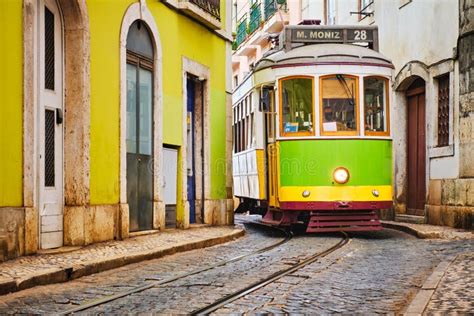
x: 456, y: 291
x: 376, y: 272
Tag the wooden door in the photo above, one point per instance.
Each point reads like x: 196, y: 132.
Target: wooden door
x: 416, y: 149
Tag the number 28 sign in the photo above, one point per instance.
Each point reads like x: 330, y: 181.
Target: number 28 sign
x: 331, y: 35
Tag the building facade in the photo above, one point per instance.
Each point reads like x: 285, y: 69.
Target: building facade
x: 114, y: 119
x: 429, y: 43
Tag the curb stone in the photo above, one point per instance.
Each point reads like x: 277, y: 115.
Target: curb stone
x: 422, y: 298
x: 58, y: 275
x: 412, y: 231
x: 7, y: 285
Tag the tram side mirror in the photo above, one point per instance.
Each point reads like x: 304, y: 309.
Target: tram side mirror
x: 265, y: 99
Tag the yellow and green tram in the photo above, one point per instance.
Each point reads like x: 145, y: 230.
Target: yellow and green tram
x: 311, y: 126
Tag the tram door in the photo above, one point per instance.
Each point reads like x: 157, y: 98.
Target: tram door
x: 416, y: 169
x: 268, y: 107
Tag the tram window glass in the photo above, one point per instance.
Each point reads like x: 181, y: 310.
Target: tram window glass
x: 339, y: 105
x: 375, y: 106
x: 297, y: 106
x: 252, y: 131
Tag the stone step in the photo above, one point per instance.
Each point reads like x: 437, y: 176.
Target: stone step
x: 413, y: 219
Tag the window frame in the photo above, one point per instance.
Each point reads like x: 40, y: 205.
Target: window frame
x: 445, y: 76
x: 387, y: 107
x: 280, y: 107
x: 357, y: 105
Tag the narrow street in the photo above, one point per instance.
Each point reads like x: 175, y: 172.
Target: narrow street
x: 375, y: 272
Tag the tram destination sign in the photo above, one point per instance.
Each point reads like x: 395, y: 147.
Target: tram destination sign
x: 324, y: 34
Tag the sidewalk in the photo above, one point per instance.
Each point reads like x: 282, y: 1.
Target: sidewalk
x: 425, y: 231
x: 450, y: 287
x: 40, y: 269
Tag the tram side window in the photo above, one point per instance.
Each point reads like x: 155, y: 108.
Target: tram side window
x: 243, y: 125
x: 375, y: 106
x: 297, y: 106
x: 339, y: 105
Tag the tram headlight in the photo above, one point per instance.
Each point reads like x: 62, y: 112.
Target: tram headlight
x: 341, y: 175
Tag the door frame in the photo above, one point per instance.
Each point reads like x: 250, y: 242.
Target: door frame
x: 401, y: 82
x: 76, y: 109
x: 139, y: 11
x: 196, y: 69
x: 59, y: 76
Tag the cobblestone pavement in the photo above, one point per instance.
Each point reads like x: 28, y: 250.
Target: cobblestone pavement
x: 375, y: 272
x: 56, y: 297
x: 455, y: 293
x: 379, y: 272
x: 23, y: 266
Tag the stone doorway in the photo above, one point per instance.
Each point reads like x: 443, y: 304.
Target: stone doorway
x: 416, y: 148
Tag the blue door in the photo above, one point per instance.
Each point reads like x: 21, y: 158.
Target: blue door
x: 191, y: 97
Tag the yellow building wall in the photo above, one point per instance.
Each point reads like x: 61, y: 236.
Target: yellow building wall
x: 180, y: 36
x: 11, y: 103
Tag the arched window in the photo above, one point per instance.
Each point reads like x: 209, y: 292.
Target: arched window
x: 139, y: 122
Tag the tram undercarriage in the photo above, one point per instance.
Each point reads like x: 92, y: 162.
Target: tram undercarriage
x: 342, y: 217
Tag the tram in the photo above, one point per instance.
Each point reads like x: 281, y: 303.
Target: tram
x: 311, y: 129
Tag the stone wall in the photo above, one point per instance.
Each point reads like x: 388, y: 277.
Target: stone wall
x: 451, y: 201
x: 12, y: 233
x: 457, y: 196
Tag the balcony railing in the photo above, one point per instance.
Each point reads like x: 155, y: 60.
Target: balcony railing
x: 213, y: 7
x: 270, y: 8
x: 241, y: 32
x: 255, y: 16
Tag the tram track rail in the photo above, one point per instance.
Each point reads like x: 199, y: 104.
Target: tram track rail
x: 288, y: 235
x: 206, y: 310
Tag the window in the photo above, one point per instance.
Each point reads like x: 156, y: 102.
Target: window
x: 48, y: 49
x: 139, y: 90
x: 304, y: 9
x: 339, y: 108
x: 330, y: 12
x: 376, y: 115
x: 236, y: 81
x: 296, y: 99
x: 404, y: 3
x: 243, y: 125
x: 364, y: 9
x: 443, y: 110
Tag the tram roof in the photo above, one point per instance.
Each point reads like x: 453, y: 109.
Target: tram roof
x: 324, y: 54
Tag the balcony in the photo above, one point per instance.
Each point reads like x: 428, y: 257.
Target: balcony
x: 241, y: 32
x: 255, y: 16
x: 213, y: 7
x: 262, y: 20
x: 208, y: 12
x: 270, y: 8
